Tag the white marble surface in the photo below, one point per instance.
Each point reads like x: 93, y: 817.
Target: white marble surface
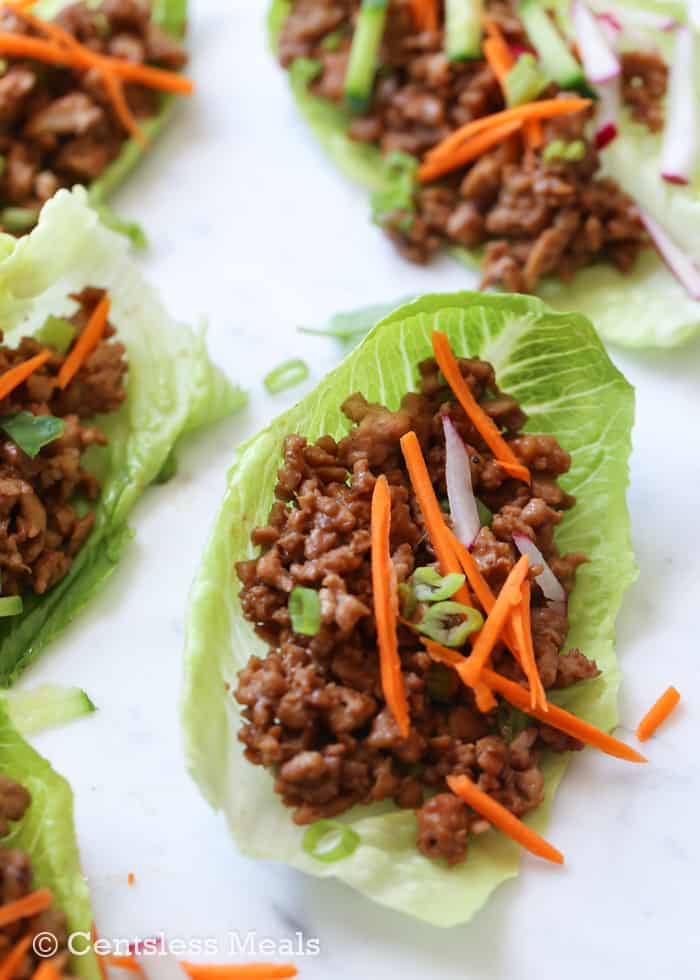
x: 250, y: 226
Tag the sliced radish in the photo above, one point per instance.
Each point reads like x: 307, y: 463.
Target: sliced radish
x: 552, y: 588
x: 608, y: 112
x: 680, y: 264
x: 611, y: 28
x: 679, y: 154
x: 599, y: 62
x: 458, y: 475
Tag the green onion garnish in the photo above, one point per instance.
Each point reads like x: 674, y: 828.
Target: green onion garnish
x: 440, y: 683
x: 287, y: 375
x: 525, y: 81
x: 485, y: 515
x: 430, y: 586
x: 18, y: 219
x: 439, y: 623
x: 10, y: 605
x: 407, y: 600
x: 305, y: 610
x: 57, y: 333
x: 313, y: 841
x: 559, y: 150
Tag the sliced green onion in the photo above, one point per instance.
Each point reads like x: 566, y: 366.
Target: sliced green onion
x: 407, y: 600
x: 438, y: 623
x: 10, y: 605
x: 100, y: 22
x: 525, y: 81
x: 332, y: 41
x: 57, y: 333
x: 18, y: 219
x: 430, y: 586
x: 575, y: 151
x: 305, y: 610
x: 31, y: 432
x: 559, y: 150
x: 485, y: 515
x: 440, y: 683
x: 288, y: 374
x: 463, y: 29
x: 364, y: 54
x: 313, y: 841
x: 2, y: 165
x: 3, y: 66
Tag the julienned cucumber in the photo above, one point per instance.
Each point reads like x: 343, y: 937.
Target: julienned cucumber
x: 47, y: 706
x: 463, y: 29
x: 555, y: 57
x: 364, y: 54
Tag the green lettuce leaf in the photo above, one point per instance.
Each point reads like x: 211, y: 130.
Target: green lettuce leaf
x: 556, y: 366
x: 47, y: 834
x: 172, y: 388
x: 647, y: 308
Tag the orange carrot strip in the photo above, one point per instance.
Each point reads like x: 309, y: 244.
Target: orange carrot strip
x: 483, y: 423
x: 544, y: 109
x: 658, y: 713
x: 425, y: 15
x: 495, y: 813
x: 12, y: 961
x: 122, y: 962
x: 24, y: 907
x: 555, y: 717
x: 46, y: 971
x: 470, y: 150
x: 385, y: 606
x: 534, y: 134
x: 242, y: 971
x: 20, y: 372
x: 501, y: 60
x: 86, y: 342
x: 492, y: 629
x: 115, y: 91
x: 522, y: 628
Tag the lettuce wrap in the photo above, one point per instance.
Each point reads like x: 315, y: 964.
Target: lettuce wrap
x: 646, y: 308
x: 555, y: 365
x: 172, y: 388
x: 46, y: 833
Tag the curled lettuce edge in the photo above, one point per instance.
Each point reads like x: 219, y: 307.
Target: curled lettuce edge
x: 647, y: 308
x: 172, y: 388
x: 555, y: 364
x: 47, y: 834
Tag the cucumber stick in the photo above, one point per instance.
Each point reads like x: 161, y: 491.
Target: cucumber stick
x: 556, y: 59
x: 364, y: 54
x: 47, y: 706
x: 463, y: 29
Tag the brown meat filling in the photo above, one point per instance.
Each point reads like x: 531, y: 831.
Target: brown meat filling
x: 534, y: 218
x: 57, y: 126
x: 313, y: 707
x: 42, y: 523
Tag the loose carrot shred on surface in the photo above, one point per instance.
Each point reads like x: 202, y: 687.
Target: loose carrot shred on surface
x: 495, y: 813
x: 242, y: 971
x: 522, y: 628
x: 544, y: 109
x: 555, y: 716
x: 658, y: 713
x: 474, y: 147
x: 425, y: 14
x: 86, y: 342
x: 8, y: 967
x: 483, y: 423
x: 46, y: 971
x: 470, y: 671
x: 131, y: 878
x: 385, y: 606
x: 20, y: 372
x: 25, y: 907
x: 121, y: 962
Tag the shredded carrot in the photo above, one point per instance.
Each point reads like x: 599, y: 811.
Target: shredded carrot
x: 425, y: 15
x: 131, y: 878
x: 100, y: 959
x: 25, y: 907
x: 122, y: 962
x: 492, y: 629
x: 468, y: 151
x: 14, y: 958
x: 658, y: 713
x: 495, y: 813
x: 242, y: 971
x: 501, y: 60
x: 483, y: 423
x: 522, y: 628
x: 20, y: 372
x: 555, y: 717
x: 385, y: 606
x: 86, y: 342
x: 544, y: 109
x: 47, y: 970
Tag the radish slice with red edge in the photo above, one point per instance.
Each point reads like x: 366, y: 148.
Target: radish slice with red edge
x: 611, y: 28
x: 629, y: 17
x: 599, y: 62
x: 679, y: 154
x: 680, y: 264
x: 608, y: 113
x: 458, y: 475
x: 552, y: 588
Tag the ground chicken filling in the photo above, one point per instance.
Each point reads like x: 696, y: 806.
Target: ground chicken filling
x: 533, y: 217
x: 16, y: 883
x: 313, y: 707
x: 45, y: 514
x: 58, y: 126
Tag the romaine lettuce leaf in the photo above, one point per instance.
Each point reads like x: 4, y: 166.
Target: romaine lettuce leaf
x: 172, y: 387
x: 555, y: 364
x: 47, y: 834
x: 647, y: 308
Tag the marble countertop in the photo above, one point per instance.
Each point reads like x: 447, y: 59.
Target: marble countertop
x: 242, y: 208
